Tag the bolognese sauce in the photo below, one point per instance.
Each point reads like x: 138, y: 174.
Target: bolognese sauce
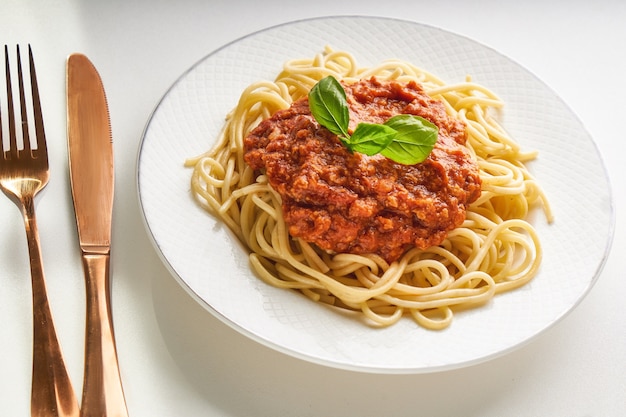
x: 347, y: 202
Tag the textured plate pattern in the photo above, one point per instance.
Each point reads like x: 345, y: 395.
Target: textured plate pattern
x: 211, y: 265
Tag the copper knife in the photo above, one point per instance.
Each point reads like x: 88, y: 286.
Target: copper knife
x: 92, y: 182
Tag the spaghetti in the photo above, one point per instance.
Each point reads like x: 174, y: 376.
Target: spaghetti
x: 494, y: 250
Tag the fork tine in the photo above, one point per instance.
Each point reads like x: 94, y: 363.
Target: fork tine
x: 1, y: 134
x: 42, y: 150
x: 12, y: 151
x: 10, y: 115
x: 23, y: 113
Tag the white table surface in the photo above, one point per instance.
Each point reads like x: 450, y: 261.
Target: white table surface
x: 176, y: 358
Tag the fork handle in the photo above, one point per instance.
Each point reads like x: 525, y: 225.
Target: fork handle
x: 102, y: 386
x: 52, y: 392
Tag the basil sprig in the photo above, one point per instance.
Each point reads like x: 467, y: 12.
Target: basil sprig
x: 406, y: 139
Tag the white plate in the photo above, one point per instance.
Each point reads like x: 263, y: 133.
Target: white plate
x: 210, y: 264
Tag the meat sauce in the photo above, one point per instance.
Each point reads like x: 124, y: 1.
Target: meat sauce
x: 347, y: 202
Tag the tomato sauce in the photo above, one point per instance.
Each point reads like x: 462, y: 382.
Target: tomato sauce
x: 347, y: 202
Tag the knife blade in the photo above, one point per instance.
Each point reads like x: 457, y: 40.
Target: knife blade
x: 91, y: 169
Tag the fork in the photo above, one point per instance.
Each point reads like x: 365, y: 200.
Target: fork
x: 23, y: 173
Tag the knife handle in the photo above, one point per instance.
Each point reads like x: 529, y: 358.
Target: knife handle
x: 102, y: 386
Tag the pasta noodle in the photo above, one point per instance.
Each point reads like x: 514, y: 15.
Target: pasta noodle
x: 494, y: 250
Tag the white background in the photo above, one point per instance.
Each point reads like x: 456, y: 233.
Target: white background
x: 177, y: 359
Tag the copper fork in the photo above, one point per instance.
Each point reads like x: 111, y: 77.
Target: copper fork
x: 23, y: 173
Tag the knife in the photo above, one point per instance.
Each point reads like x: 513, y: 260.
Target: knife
x: 92, y: 182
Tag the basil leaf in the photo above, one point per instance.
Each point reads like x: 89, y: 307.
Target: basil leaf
x: 405, y: 139
x: 415, y: 139
x: 371, y: 139
x: 328, y: 104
